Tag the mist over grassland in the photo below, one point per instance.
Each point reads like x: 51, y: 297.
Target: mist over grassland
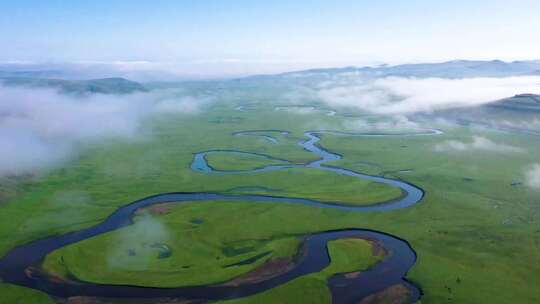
x: 43, y: 121
x: 42, y: 127
x: 403, y: 95
x: 532, y: 176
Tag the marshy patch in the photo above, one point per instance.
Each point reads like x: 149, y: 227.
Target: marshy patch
x: 239, y: 247
x: 516, y: 183
x: 225, y: 120
x: 249, y: 260
x: 196, y: 221
x: 249, y: 189
x: 98, y: 300
x: 271, y: 268
x: 164, y: 250
x: 231, y: 251
x: 396, y: 294
x: 158, y: 209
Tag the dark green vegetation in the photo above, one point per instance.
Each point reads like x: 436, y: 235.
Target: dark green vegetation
x: 103, y: 86
x: 476, y: 235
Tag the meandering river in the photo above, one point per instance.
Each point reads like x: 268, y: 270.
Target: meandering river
x: 17, y: 265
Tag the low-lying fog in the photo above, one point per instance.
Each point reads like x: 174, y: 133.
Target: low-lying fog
x: 399, y: 95
x: 41, y: 127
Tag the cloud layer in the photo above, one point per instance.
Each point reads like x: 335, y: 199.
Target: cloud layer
x: 399, y: 95
x: 138, y: 246
x: 39, y: 128
x: 532, y: 176
x: 397, y: 124
x: 478, y: 143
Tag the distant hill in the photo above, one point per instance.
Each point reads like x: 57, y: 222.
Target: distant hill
x: 520, y: 102
x: 30, y: 73
x: 520, y: 113
x: 103, y: 86
x: 449, y: 69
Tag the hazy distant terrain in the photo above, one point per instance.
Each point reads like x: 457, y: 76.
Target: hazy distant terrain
x: 103, y: 86
x: 450, y: 69
x: 521, y: 102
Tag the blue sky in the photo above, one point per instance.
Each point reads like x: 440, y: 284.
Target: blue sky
x: 260, y: 35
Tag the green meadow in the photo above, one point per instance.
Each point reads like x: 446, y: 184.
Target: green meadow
x: 476, y: 232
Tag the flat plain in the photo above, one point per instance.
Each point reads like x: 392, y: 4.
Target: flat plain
x: 475, y: 232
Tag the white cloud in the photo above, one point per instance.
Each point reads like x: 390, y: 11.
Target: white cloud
x: 394, y: 95
x: 143, y: 238
x: 478, y: 143
x: 532, y: 176
x: 396, y: 123
x: 39, y: 128
x: 530, y: 124
x: 179, y: 105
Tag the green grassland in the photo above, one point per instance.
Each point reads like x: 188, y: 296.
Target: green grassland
x: 202, y: 250
x: 476, y: 236
x: 19, y: 295
x: 224, y: 161
x: 350, y: 255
